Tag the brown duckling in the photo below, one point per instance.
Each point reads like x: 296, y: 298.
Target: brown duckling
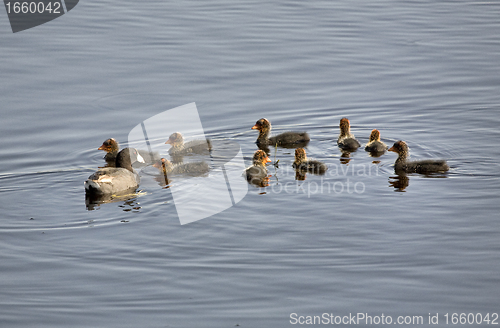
x: 425, y: 166
x: 286, y: 140
x: 113, y: 180
x: 301, y: 163
x: 192, y: 147
x: 257, y: 173
x: 375, y: 145
x: 112, y: 147
x: 194, y: 169
x: 346, y: 140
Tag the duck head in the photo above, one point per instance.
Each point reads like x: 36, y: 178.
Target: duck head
x: 375, y: 135
x: 109, y: 145
x: 300, y: 155
x: 175, y: 139
x: 399, y: 147
x: 262, y: 124
x: 345, y: 126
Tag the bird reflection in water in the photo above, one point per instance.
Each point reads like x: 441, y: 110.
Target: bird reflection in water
x: 300, y: 175
x: 345, y: 158
x: 399, y: 182
x: 129, y: 199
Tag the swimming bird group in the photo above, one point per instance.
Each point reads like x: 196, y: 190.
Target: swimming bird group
x: 347, y: 143
x: 119, y: 176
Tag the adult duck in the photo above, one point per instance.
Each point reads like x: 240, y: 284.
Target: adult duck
x: 114, y: 180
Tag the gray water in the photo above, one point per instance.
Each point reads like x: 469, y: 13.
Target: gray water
x: 425, y: 72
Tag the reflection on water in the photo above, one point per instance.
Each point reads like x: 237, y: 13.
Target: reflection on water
x: 130, y: 205
x: 376, y: 153
x: 399, y: 182
x: 128, y: 197
x: 259, y: 182
x: 345, y: 157
x: 300, y: 175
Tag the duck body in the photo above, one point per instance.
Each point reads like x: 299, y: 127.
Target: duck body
x: 257, y: 173
x: 375, y: 145
x: 114, y: 180
x: 179, y: 148
x: 402, y: 165
x: 348, y: 143
x: 423, y: 166
x: 346, y: 140
x: 195, y: 168
x: 289, y: 139
x: 301, y: 163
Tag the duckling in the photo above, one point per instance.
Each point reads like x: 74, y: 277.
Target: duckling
x: 285, y: 140
x: 423, y: 166
x: 301, y: 163
x: 180, y: 148
x: 194, y: 169
x: 257, y: 173
x: 346, y: 140
x: 113, y: 180
x: 375, y: 145
x: 112, y: 147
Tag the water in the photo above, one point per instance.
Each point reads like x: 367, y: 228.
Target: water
x: 420, y: 71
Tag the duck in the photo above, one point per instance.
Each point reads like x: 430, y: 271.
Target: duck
x: 289, y: 139
x: 118, y: 179
x: 195, y: 168
x: 257, y: 173
x: 402, y: 165
x: 112, y: 147
x: 301, y: 163
x: 346, y: 140
x: 374, y: 145
x: 179, y: 148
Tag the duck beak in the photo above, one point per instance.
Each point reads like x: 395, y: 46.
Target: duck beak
x: 392, y: 149
x: 255, y: 127
x: 267, y: 160
x: 102, y: 147
x: 168, y: 142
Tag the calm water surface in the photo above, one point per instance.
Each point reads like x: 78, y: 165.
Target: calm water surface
x: 421, y: 71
